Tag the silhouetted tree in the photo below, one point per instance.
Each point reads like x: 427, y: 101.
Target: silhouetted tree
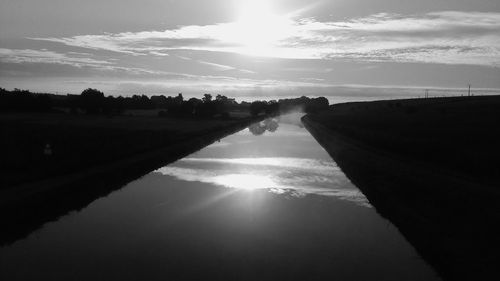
x: 190, y: 107
x: 272, y: 107
x: 206, y: 109
x: 23, y: 100
x: 179, y: 99
x: 316, y: 105
x: 303, y: 104
x: 159, y: 101
x: 91, y: 100
x: 207, y: 98
x: 257, y: 107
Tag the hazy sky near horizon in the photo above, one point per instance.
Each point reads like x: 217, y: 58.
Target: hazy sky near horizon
x: 241, y: 48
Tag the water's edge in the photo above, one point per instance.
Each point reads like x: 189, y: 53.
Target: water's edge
x: 429, y: 209
x: 25, y: 209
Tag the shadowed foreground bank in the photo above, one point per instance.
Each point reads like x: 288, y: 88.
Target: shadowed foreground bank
x: 254, y: 206
x: 91, y: 157
x: 428, y: 165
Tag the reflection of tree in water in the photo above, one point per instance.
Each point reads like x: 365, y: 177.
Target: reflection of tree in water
x: 271, y: 124
x: 260, y: 128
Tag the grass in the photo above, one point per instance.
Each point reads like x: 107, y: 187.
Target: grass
x: 429, y: 166
x: 92, y: 156
x: 81, y: 141
x: 459, y: 134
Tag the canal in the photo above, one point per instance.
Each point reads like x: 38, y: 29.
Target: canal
x: 267, y: 203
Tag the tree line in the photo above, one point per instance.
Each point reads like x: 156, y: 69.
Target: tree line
x: 93, y: 101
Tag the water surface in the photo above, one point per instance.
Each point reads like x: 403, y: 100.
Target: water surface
x: 267, y: 203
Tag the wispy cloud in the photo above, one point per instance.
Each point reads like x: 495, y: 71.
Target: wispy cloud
x: 45, y: 56
x: 448, y: 37
x: 84, y: 60
x: 217, y: 66
x: 284, y: 162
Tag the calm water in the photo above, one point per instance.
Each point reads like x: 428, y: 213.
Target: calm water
x: 267, y: 203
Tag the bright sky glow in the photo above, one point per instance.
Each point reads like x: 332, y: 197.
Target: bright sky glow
x: 254, y: 49
x: 258, y: 29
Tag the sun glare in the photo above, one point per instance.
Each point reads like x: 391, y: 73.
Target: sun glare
x: 259, y: 29
x: 245, y: 181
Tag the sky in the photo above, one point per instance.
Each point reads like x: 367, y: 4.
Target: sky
x: 341, y: 49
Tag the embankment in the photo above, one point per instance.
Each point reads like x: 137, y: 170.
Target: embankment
x: 25, y: 207
x: 448, y: 215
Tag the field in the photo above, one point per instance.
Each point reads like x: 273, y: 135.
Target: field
x: 459, y: 134
x: 429, y: 166
x: 80, y: 141
x: 91, y: 156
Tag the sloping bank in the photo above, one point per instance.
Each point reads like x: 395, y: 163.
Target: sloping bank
x: 450, y: 221
x: 25, y: 208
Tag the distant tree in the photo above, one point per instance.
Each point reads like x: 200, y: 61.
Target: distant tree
x: 257, y: 107
x: 316, y: 105
x: 222, y: 104
x: 323, y: 102
x: 23, y: 100
x: 207, y: 98
x: 179, y: 99
x: 145, y: 103
x: 303, y: 104
x: 189, y: 108
x: 159, y: 101
x: 91, y: 100
x: 221, y: 99
x: 272, y: 107
x: 112, y: 105
x: 92, y: 93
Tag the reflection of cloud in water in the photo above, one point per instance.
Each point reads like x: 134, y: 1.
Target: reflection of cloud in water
x: 225, y: 143
x: 244, y: 181
x: 284, y: 162
x: 290, y: 176
x: 282, y: 133
x: 220, y: 144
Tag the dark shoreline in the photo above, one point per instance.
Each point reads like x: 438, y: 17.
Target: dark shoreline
x: 450, y: 219
x: 25, y: 208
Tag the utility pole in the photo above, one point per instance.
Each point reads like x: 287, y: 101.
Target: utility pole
x: 427, y: 93
x: 469, y: 91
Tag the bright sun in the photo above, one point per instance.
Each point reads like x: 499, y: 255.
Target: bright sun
x: 258, y: 29
x: 245, y: 181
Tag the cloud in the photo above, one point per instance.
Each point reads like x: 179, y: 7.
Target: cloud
x: 217, y: 66
x: 81, y: 60
x: 309, y: 176
x: 448, y: 37
x: 45, y: 56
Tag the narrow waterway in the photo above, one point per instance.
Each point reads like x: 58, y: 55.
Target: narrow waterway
x: 267, y: 203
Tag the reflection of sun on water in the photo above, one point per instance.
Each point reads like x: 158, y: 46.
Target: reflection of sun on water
x: 244, y: 181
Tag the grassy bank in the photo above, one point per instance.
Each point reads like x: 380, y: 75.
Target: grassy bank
x: 428, y: 165
x: 91, y: 156
x: 80, y: 141
x: 460, y: 134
